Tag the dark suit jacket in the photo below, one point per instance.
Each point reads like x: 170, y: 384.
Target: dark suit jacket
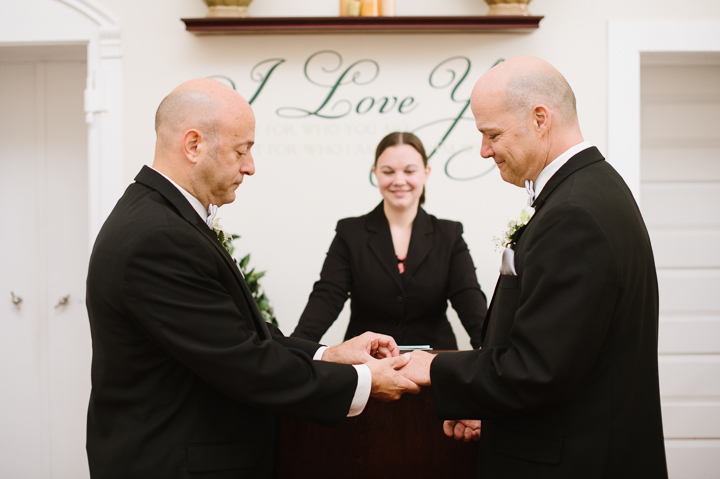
x: 566, y: 382
x: 411, y: 306
x: 186, y: 377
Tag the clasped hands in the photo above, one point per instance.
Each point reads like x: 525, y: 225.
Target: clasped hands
x: 394, y: 374
x: 381, y: 355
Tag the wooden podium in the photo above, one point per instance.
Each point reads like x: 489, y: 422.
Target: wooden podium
x: 401, y: 439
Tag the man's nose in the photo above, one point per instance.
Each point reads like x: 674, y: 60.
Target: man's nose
x: 486, y: 150
x: 248, y: 167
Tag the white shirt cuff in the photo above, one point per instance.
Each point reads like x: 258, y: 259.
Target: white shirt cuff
x: 319, y: 353
x: 364, y: 385
x: 362, y: 392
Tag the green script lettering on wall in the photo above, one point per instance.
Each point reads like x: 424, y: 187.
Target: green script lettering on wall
x: 448, y: 74
x: 453, y: 79
x: 361, y: 72
x: 262, y: 77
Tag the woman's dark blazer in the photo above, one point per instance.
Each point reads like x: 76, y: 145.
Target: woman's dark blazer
x: 410, y: 307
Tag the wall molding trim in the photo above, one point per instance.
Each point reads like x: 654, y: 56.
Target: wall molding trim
x: 83, y: 21
x: 93, y: 11
x: 627, y: 39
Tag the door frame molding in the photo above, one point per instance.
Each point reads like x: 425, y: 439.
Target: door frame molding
x: 92, y: 25
x: 627, y: 39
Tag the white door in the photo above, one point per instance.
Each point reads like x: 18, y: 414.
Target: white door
x: 680, y: 199
x: 44, y: 340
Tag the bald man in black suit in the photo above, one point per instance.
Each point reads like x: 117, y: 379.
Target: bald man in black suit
x: 187, y: 378
x: 566, y: 382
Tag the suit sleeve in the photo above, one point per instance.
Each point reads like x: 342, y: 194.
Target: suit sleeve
x: 329, y: 293
x: 562, y: 314
x: 464, y: 292
x: 307, y: 346
x: 171, y: 289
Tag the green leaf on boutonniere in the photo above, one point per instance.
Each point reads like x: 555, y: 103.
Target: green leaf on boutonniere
x: 515, y: 225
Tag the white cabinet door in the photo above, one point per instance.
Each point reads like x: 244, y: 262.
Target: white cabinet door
x: 24, y: 441
x: 680, y: 197
x: 45, y: 346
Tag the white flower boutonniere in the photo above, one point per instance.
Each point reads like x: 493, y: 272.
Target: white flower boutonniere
x: 509, y: 238
x: 224, y: 237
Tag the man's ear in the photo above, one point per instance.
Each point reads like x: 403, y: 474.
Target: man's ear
x: 541, y: 117
x: 191, y: 145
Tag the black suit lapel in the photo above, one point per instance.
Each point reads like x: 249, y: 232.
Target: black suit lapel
x: 381, y: 243
x: 580, y: 160
x: 212, y: 237
x: 487, y: 315
x: 159, y: 183
x: 421, y: 241
x: 156, y: 181
x: 257, y: 315
x: 577, y: 162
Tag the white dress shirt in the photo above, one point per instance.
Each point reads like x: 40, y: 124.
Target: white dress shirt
x: 364, y: 385
x: 556, y: 164
x: 507, y: 265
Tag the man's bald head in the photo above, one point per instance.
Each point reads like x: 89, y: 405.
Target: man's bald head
x: 525, y: 110
x: 196, y: 104
x: 527, y: 81
x: 205, y: 130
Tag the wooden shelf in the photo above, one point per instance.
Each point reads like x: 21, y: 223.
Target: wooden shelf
x: 335, y: 25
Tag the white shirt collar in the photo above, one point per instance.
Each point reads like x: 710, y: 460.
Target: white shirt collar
x: 556, y: 164
x: 194, y: 202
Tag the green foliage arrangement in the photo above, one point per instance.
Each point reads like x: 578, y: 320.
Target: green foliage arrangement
x: 252, y: 278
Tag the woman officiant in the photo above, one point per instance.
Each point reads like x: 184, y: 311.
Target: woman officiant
x: 398, y: 264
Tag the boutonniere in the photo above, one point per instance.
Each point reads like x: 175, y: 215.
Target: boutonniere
x: 515, y: 225
x: 223, y: 236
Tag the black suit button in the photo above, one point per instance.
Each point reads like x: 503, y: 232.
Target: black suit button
x: 399, y: 299
x: 400, y: 326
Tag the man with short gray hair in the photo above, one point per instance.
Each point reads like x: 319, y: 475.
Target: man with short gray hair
x: 566, y: 383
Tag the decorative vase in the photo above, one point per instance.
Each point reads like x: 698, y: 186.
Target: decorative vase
x: 227, y: 8
x: 508, y: 7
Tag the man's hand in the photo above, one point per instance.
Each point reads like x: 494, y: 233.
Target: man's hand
x: 418, y: 369
x: 387, y: 383
x: 361, y: 349
x: 466, y: 429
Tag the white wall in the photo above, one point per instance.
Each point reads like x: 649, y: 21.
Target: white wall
x: 286, y: 213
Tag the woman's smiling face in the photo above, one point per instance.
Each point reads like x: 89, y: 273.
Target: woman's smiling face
x: 401, y: 176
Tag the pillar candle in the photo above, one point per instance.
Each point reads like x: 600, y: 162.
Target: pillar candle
x: 387, y: 8
x: 370, y: 8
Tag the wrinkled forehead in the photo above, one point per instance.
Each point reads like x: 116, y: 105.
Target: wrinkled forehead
x: 487, y: 104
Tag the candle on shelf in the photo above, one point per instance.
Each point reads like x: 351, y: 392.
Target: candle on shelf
x: 353, y: 8
x: 387, y: 8
x: 370, y: 8
x: 344, y: 8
